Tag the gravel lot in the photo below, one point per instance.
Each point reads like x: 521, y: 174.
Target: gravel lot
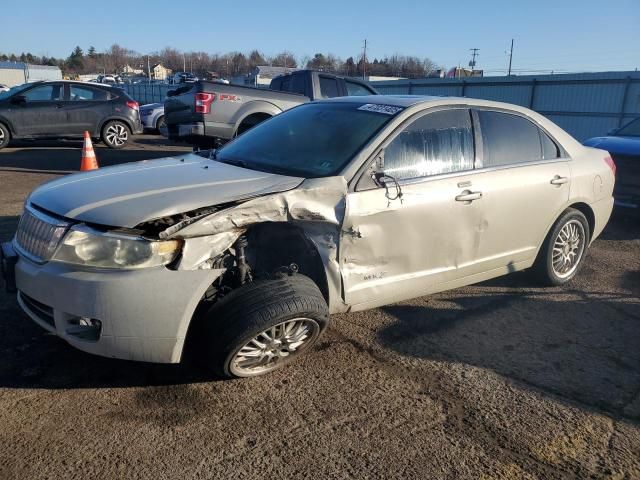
x: 498, y: 380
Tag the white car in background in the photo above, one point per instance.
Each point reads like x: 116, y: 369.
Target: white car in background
x: 152, y: 117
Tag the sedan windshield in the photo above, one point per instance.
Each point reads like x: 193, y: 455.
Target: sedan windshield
x: 13, y: 91
x: 312, y: 140
x: 630, y: 129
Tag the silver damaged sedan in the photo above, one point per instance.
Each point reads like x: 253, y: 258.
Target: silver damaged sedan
x: 333, y: 206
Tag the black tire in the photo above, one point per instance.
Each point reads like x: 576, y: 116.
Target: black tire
x: 242, y: 315
x: 160, y: 123
x: 543, y: 268
x: 5, y: 136
x: 115, y: 134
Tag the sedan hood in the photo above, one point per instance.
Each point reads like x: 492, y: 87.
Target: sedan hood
x: 616, y: 145
x: 127, y: 195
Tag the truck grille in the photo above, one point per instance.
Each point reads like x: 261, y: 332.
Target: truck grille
x: 38, y: 235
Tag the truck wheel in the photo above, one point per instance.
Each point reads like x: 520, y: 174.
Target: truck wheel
x: 5, y: 136
x: 564, y: 249
x: 115, y: 134
x: 263, y: 326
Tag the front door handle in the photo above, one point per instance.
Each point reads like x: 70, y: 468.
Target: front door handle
x: 468, y: 196
x: 558, y: 180
x: 59, y: 105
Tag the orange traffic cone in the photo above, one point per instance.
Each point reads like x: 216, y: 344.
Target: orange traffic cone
x: 89, y: 161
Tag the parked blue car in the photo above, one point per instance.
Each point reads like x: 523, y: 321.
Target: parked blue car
x: 624, y: 146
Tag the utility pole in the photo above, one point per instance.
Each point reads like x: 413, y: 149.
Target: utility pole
x: 510, y: 57
x: 474, y: 54
x: 184, y: 63
x: 149, y: 68
x: 364, y: 61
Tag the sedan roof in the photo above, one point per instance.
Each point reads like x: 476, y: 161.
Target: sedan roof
x: 395, y: 100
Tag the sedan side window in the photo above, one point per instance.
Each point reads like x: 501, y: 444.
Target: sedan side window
x: 437, y: 143
x: 45, y: 93
x: 508, y: 139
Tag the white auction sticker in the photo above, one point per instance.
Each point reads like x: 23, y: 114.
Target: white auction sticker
x: 387, y: 109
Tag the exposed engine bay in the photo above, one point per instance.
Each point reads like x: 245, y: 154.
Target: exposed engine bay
x: 276, y: 234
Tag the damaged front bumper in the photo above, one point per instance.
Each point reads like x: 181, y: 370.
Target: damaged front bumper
x: 134, y: 315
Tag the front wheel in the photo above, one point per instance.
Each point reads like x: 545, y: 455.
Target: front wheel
x: 263, y: 326
x: 564, y: 249
x: 4, y: 136
x: 115, y: 134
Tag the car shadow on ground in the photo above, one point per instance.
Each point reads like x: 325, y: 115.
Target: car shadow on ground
x: 581, y: 346
x: 623, y: 225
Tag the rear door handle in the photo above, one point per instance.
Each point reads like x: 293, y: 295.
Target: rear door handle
x: 558, y: 180
x: 468, y: 196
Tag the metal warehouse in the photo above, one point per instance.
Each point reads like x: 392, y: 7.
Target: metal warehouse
x: 17, y: 73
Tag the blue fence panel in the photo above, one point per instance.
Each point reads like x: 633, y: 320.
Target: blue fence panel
x: 585, y: 105
x: 145, y: 93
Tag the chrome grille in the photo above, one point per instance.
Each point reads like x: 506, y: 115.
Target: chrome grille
x: 39, y: 234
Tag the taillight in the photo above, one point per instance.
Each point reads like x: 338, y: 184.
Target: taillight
x: 133, y: 105
x: 203, y: 102
x: 612, y: 165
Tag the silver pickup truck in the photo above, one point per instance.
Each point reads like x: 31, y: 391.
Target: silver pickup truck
x: 210, y: 113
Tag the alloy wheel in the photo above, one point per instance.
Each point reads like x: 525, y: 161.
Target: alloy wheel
x: 273, y: 346
x: 116, y: 134
x: 568, y: 248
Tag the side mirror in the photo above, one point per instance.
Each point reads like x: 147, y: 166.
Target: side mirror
x: 18, y: 99
x: 379, y: 178
x: 377, y: 169
x: 613, y: 131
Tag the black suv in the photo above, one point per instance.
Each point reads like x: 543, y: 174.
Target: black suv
x: 60, y: 109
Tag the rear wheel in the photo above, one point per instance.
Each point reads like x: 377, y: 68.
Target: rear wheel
x: 161, y: 126
x: 115, y: 134
x: 564, y: 249
x: 263, y: 326
x: 5, y: 136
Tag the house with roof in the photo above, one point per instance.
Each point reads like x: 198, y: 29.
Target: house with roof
x: 159, y: 71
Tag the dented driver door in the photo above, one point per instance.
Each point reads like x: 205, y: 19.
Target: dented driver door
x: 420, y: 232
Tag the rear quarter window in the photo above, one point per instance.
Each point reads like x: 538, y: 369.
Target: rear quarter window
x: 508, y: 139
x: 355, y: 89
x: 329, y: 87
x: 549, y: 148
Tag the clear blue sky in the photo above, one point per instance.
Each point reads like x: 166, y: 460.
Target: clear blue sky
x: 561, y: 35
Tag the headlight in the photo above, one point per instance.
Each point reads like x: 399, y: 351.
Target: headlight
x: 91, y: 248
